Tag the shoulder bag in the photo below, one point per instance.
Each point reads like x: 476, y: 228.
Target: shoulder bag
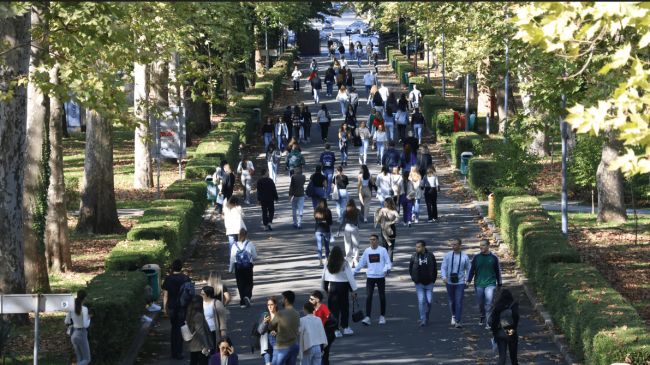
x: 186, y: 333
x: 357, y: 313
x: 335, y: 190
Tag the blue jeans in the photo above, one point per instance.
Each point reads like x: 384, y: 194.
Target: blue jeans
x: 286, y: 356
x: 455, y: 294
x: 340, y: 204
x: 312, y: 356
x: 390, y: 131
x: 485, y: 297
x: 344, y: 106
x: 329, y: 173
x: 297, y: 205
x: 319, y: 193
x: 322, y: 237
x: 330, y: 87
x: 267, y: 139
x: 407, y: 204
x: 425, y: 297
x: 363, y: 151
x: 417, y: 131
x: 416, y: 208
x: 344, y: 154
x: 380, y: 151
x: 273, y: 170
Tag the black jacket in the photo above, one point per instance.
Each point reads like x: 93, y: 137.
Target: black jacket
x: 495, y: 318
x: 391, y: 158
x: 266, y: 191
x: 428, y: 262
x: 228, y: 185
x: 424, y: 162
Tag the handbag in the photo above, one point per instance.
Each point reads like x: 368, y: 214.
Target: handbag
x: 335, y: 191
x: 357, y: 315
x: 186, y: 333
x: 310, y: 189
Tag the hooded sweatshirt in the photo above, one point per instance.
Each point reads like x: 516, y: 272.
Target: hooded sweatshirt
x: 377, y: 261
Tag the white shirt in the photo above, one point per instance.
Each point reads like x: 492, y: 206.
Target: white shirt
x: 250, y: 247
x: 415, y: 96
x: 211, y: 316
x: 233, y: 219
x: 78, y: 321
x: 345, y: 275
x: 250, y: 169
x: 433, y: 181
x: 383, y: 185
x: 368, y: 79
x: 343, y: 62
x: 383, y: 91
x: 379, y: 136
x: 342, y: 96
x: 377, y: 260
x: 296, y: 74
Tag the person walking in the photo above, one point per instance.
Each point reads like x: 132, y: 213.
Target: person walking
x: 504, y: 323
x: 233, y: 219
x: 306, y: 120
x: 424, y: 271
x: 267, y: 132
x: 340, y: 193
x: 454, y: 270
x: 267, y: 337
x: 295, y: 77
x: 380, y: 138
x: 401, y: 119
x: 246, y: 170
x: 311, y: 336
x: 389, y: 123
x: 415, y: 97
x: 417, y: 119
x: 392, y: 157
x: 387, y: 217
x: 220, y: 290
x: 318, y: 183
x: 377, y: 102
x: 383, y: 185
x: 281, y: 133
x: 273, y: 157
x: 296, y: 124
x: 322, y: 229
x: 397, y: 187
x: 267, y: 195
x: 364, y: 184
x: 242, y: 259
x: 338, y: 281
x: 324, y: 120
x: 295, y: 160
x: 368, y: 81
x: 313, y: 66
x: 327, y: 319
x: 78, y: 320
x: 383, y: 91
x: 349, y: 78
x: 342, y: 97
x: 424, y: 160
x: 297, y: 197
x: 316, y: 87
x: 392, y: 102
x: 286, y: 325
x: 350, y: 226
x: 227, y: 182
x: 431, y: 190
x: 403, y: 103
x: 376, y: 259
x: 371, y: 96
x: 354, y: 101
x: 201, y: 341
x: 415, y: 179
x: 172, y: 306
x: 364, y: 135
x: 485, y: 266
x: 215, y: 315
x: 329, y: 80
x: 344, y: 138
x: 328, y: 160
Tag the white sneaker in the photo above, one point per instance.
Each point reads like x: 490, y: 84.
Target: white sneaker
x: 146, y: 319
x: 154, y: 307
x: 382, y: 320
x: 453, y: 321
x: 348, y: 331
x: 366, y: 321
x: 338, y: 334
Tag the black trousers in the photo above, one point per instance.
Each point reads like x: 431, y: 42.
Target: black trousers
x: 370, y: 290
x: 391, y: 239
x: 431, y: 198
x: 507, y: 344
x: 268, y: 210
x: 244, y: 279
x: 176, y: 319
x: 197, y: 358
x: 338, y: 300
x: 296, y: 132
x: 296, y: 85
x: 324, y: 127
x: 401, y: 131
x: 307, y: 127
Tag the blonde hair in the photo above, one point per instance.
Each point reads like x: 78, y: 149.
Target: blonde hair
x: 414, y: 175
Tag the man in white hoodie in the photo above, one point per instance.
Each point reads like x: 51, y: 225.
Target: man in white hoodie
x: 378, y: 262
x: 312, y: 336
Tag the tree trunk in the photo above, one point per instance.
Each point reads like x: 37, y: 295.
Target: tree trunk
x: 198, y: 113
x: 56, y: 226
x: 98, y: 213
x: 14, y: 31
x: 143, y: 175
x: 611, y: 202
x: 36, y: 168
x: 483, y: 99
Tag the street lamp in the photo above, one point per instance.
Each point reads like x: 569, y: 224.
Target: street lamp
x: 266, y: 42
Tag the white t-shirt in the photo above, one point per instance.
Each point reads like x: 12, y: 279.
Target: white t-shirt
x: 383, y: 185
x: 78, y: 321
x: 383, y: 91
x: 296, y: 74
x: 208, y: 312
x: 248, y: 171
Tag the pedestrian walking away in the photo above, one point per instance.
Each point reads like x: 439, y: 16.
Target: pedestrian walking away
x: 273, y: 157
x: 296, y: 124
x: 233, y: 220
x: 267, y: 195
x: 297, y: 197
x: 322, y: 229
x: 387, y: 218
x: 340, y: 192
x: 350, y: 226
x: 295, y: 160
x: 295, y: 76
x: 342, y: 97
x: 397, y: 187
x: 504, y: 323
x: 220, y: 290
x: 316, y: 87
x: 424, y: 271
x: 368, y: 81
x: 364, y: 189
x: 344, y: 138
x: 311, y: 336
x: 286, y: 325
x: 364, y: 134
x: 338, y: 281
x: 416, y: 186
x: 354, y: 100
x: 281, y: 133
x: 267, y: 336
x: 174, y: 307
x: 78, y: 321
x: 424, y: 160
x: 268, y: 130
x: 389, y: 123
x: 316, y: 187
x: 487, y: 269
x: 246, y: 170
x: 415, y: 97
x: 431, y: 190
x: 242, y: 260
x: 454, y: 270
x: 329, y: 80
x: 328, y: 160
x: 418, y: 124
x: 376, y: 259
x: 324, y: 120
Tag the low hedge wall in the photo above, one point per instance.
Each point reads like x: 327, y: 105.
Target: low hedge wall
x: 132, y: 255
x: 220, y: 143
x: 482, y: 175
x: 431, y: 104
x: 201, y: 166
x: 192, y: 190
x: 173, y: 233
x: 116, y: 301
x: 402, y: 67
x: 499, y: 194
x: 443, y: 121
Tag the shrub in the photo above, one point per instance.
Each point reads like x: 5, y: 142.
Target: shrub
x: 403, y: 67
x: 72, y: 195
x: 132, y: 255
x: 116, y: 301
x: 482, y: 175
x: 462, y: 142
x: 430, y: 106
x: 173, y: 233
x: 235, y: 125
x: 223, y: 144
x: 499, y: 194
x: 444, y: 122
x: 251, y: 102
x: 192, y: 190
x: 201, y: 166
x: 519, y: 166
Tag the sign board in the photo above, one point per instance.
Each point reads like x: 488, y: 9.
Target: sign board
x: 26, y: 303
x: 72, y: 116
x: 273, y: 52
x: 171, y: 135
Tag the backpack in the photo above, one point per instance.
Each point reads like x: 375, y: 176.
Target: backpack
x: 243, y: 258
x: 505, y: 319
x: 328, y: 159
x: 186, y: 293
x: 294, y: 160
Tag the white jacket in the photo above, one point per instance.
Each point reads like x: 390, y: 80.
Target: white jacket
x: 296, y: 75
x: 233, y: 219
x: 340, y: 277
x: 311, y: 333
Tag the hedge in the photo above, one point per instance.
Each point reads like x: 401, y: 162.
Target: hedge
x: 430, y: 106
x: 220, y: 143
x: 132, y: 255
x: 461, y: 142
x: 482, y: 176
x: 402, y: 67
x: 599, y: 324
x: 173, y: 233
x: 201, y: 166
x: 425, y: 87
x: 234, y: 125
x: 251, y: 102
x: 192, y: 190
x: 499, y: 194
x: 444, y: 122
x: 116, y: 301
x: 267, y: 88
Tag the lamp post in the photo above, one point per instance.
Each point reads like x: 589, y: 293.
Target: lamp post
x: 467, y: 95
x: 399, y: 42
x: 563, y: 132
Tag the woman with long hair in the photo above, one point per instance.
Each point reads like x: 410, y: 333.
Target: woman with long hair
x: 273, y: 157
x: 389, y: 123
x: 344, y: 137
x: 338, y: 280
x: 220, y: 290
x: 397, y: 186
x: 431, y: 189
x: 364, y: 184
x: 342, y: 97
x: 364, y: 134
x: 340, y: 182
x: 383, y: 181
x: 322, y: 229
x: 407, y: 199
x: 281, y: 133
x: 504, y: 322
x: 79, y: 321
x: 380, y: 138
x: 246, y: 170
x: 350, y: 225
x: 306, y: 122
x: 319, y: 182
x: 416, y: 180
x: 391, y: 101
x: 267, y: 131
x: 227, y: 182
x: 324, y: 120
x: 267, y: 337
x: 215, y: 314
x: 201, y: 341
x: 387, y: 218
x: 371, y: 95
x: 233, y: 219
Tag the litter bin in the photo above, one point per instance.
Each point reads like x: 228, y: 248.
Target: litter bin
x: 472, y: 121
x: 393, y: 63
x: 464, y: 162
x: 211, y: 192
x: 152, y: 272
x: 405, y: 78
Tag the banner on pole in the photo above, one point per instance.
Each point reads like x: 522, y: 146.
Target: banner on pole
x: 171, y: 132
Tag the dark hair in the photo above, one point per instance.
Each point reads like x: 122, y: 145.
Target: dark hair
x: 375, y: 235
x: 323, y: 107
x: 225, y: 339
x: 321, y: 211
x: 327, y: 146
x: 364, y: 172
x: 318, y: 168
x: 389, y: 203
x: 318, y: 294
x: 196, y: 306
x: 233, y: 202
x: 351, y: 210
x: 384, y: 169
x: 263, y: 172
x: 290, y: 296
x: 339, y: 168
x: 177, y: 265
x: 424, y: 244
x: 336, y: 260
x: 209, y: 291
x: 78, y: 301
x: 308, y: 307
x: 273, y: 299
x: 504, y: 298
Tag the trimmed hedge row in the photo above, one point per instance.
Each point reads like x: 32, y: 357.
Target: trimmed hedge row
x: 600, y: 325
x: 482, y: 175
x: 499, y: 194
x: 132, y: 255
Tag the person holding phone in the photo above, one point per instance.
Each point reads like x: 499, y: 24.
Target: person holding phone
x: 226, y: 354
x: 267, y: 337
x: 454, y: 269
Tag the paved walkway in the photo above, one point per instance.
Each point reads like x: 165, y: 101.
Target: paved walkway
x: 287, y: 260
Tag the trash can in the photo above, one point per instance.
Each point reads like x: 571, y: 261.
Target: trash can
x: 405, y: 78
x: 393, y: 63
x: 472, y: 121
x: 152, y: 272
x: 464, y: 162
x: 211, y: 191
